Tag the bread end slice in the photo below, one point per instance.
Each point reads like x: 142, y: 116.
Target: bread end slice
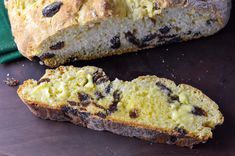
x: 150, y: 108
x: 85, y: 30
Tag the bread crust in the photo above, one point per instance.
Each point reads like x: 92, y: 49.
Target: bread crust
x: 30, y: 28
x: 58, y: 60
x: 97, y: 123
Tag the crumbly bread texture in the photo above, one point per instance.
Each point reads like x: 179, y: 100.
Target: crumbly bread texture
x: 148, y: 107
x: 64, y: 30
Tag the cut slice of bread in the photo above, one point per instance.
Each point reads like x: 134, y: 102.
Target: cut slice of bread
x: 148, y: 107
x: 59, y: 31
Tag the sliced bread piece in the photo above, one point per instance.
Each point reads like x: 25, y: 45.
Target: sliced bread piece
x: 148, y: 107
x: 57, y: 31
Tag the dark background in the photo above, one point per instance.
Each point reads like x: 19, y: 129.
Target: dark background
x: 207, y: 63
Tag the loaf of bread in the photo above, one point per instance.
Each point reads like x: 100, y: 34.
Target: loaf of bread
x: 148, y: 107
x: 58, y: 31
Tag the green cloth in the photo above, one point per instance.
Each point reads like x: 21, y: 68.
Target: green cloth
x: 8, y: 48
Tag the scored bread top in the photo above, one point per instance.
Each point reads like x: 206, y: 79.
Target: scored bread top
x: 146, y: 102
x: 34, y: 21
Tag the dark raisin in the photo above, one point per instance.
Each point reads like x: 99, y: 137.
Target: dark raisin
x: 43, y: 80
x: 198, y: 111
x: 99, y: 77
x: 108, y: 89
x: 84, y: 99
x: 172, y: 139
x: 73, y: 111
x: 164, y: 89
x: 102, y: 80
x: 65, y: 109
x: 165, y: 30
x: 134, y: 114
x: 85, y: 103
x: 210, y: 21
x: 83, y: 109
x: 189, y: 32
x: 174, y: 98
x: 51, y: 9
x: 112, y: 108
x: 83, y: 116
x: 116, y: 99
x: 83, y: 96
x: 99, y: 106
x: 69, y: 110
x: 99, y: 95
x: 12, y: 82
x: 116, y: 96
x: 102, y: 115
x: 149, y: 37
x: 182, y: 132
x: 197, y: 34
x: 132, y: 39
x: 57, y: 46
x: 97, y: 74
x: 73, y: 103
x: 115, y: 42
x: 46, y: 56
x: 139, y: 43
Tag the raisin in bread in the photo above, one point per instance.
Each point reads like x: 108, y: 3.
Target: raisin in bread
x: 149, y: 108
x: 63, y: 30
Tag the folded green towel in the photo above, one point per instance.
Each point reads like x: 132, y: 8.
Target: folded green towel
x: 8, y: 48
x: 10, y: 56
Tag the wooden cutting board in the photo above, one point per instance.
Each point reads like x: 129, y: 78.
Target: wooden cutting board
x: 208, y: 64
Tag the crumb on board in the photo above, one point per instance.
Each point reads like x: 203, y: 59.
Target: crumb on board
x: 41, y: 63
x: 75, y: 59
x: 11, y: 82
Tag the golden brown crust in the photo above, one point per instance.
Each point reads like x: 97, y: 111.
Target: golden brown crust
x: 30, y: 28
x: 117, y: 127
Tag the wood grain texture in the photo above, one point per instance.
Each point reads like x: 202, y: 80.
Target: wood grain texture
x: 208, y: 64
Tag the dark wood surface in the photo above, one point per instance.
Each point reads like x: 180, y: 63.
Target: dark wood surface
x: 208, y: 64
